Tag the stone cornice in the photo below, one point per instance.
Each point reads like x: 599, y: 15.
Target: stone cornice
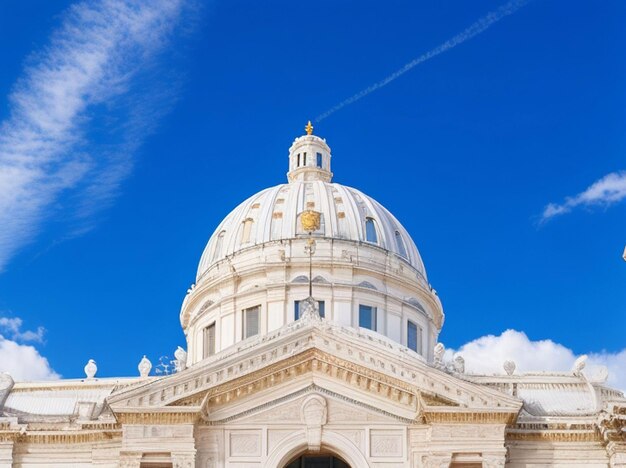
x: 167, y: 416
x: 82, y: 384
x: 59, y: 437
x: 554, y: 436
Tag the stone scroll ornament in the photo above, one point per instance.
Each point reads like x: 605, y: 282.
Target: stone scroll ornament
x: 6, y: 384
x: 314, y: 415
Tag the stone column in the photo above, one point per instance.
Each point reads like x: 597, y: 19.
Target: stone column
x: 6, y: 454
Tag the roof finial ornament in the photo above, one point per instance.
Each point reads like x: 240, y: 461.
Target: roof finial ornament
x: 309, y: 128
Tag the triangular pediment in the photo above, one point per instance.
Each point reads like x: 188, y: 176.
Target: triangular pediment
x: 364, y: 365
x: 287, y: 409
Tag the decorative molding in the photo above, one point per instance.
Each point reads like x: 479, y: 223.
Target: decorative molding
x: 448, y: 432
x: 245, y: 443
x: 386, y: 443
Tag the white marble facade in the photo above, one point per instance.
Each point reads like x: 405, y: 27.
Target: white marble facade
x: 266, y: 379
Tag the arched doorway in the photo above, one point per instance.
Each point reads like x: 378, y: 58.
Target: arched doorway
x: 317, y: 460
x: 294, y: 446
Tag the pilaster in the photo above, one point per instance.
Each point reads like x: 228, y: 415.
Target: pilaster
x: 6, y: 454
x: 617, y: 454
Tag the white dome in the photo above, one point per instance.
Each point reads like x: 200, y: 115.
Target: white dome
x: 272, y: 215
x: 309, y: 238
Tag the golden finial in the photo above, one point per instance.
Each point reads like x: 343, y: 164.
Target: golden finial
x: 309, y: 128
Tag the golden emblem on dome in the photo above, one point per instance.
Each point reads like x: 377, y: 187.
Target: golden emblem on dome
x: 310, y: 220
x: 309, y: 128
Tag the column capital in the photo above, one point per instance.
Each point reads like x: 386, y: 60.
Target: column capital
x: 130, y: 459
x: 494, y: 460
x: 184, y: 459
x: 439, y: 460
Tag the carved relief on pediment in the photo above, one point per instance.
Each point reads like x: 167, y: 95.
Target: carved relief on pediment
x: 285, y: 413
x: 341, y: 412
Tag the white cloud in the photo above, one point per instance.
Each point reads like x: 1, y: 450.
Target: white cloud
x: 20, y: 360
x: 608, y: 190
x: 86, y: 82
x: 485, y: 355
x: 12, y: 327
x: 24, y: 362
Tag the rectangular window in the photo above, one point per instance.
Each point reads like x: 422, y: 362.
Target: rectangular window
x: 319, y: 159
x: 367, y: 317
x: 304, y: 159
x: 209, y: 341
x: 251, y: 321
x: 296, y: 309
x: 411, y: 336
x: 298, y: 164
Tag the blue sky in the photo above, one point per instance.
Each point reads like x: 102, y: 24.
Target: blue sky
x: 175, y: 112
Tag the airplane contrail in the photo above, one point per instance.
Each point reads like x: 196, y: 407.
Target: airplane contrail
x: 473, y: 30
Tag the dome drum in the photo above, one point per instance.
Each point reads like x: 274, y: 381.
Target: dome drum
x: 274, y: 277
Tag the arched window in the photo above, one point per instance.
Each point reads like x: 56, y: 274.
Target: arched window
x: 370, y: 231
x: 245, y: 232
x: 400, y: 244
x: 218, y: 245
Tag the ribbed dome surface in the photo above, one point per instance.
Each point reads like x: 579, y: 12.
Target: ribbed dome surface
x: 273, y: 215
